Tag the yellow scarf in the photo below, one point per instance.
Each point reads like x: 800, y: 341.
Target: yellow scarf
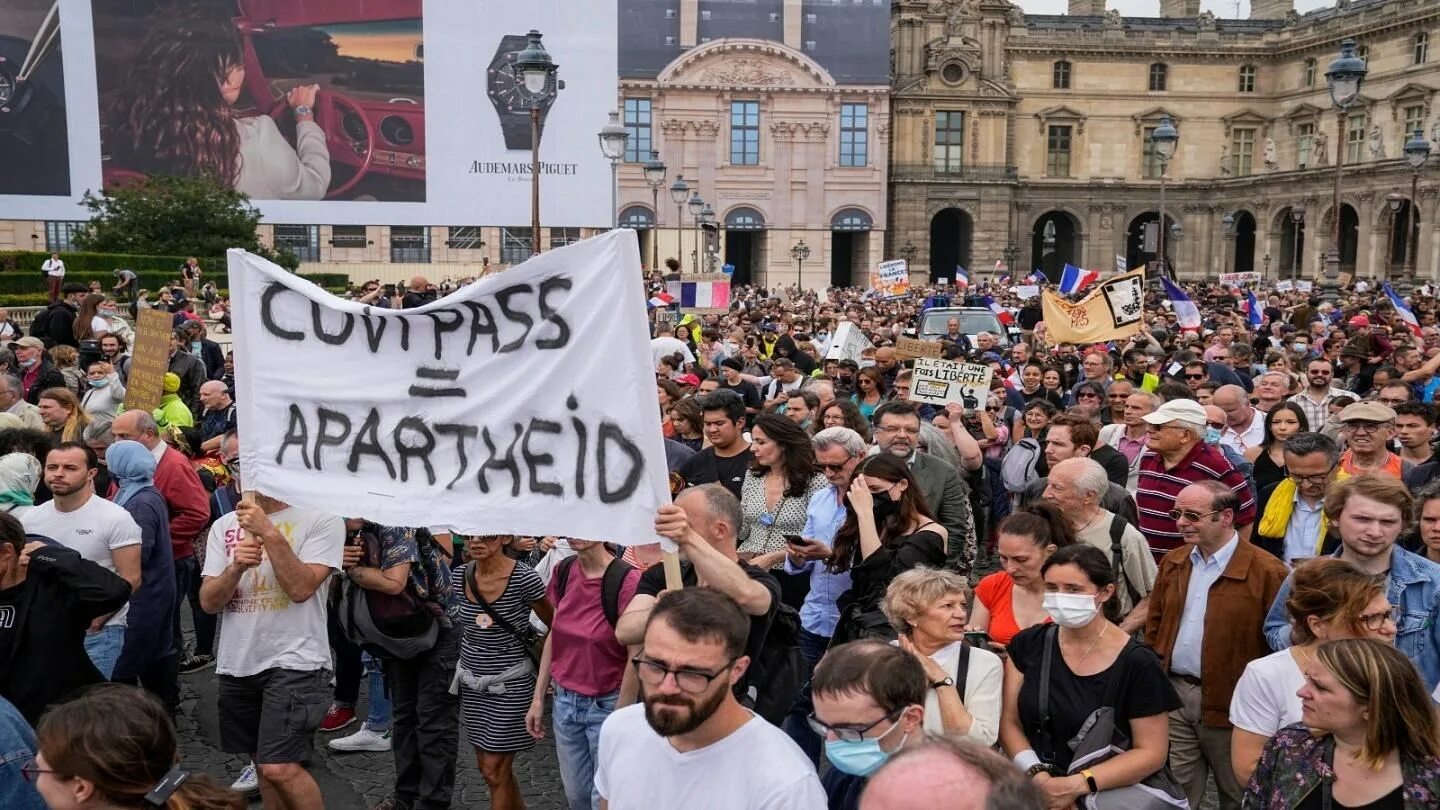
x: 1282, y: 505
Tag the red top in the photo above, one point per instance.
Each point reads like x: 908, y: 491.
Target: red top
x: 994, y: 593
x: 186, y: 498
x: 584, y: 655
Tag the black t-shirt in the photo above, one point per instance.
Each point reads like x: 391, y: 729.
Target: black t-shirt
x: 1143, y: 691
x: 652, y: 583
x: 707, y: 468
x: 748, y: 393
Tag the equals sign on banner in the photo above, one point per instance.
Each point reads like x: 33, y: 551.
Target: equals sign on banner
x: 435, y: 389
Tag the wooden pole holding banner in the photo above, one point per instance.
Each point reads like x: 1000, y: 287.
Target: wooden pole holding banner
x: 671, y: 561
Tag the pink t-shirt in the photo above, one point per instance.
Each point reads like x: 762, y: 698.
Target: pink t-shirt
x: 584, y: 655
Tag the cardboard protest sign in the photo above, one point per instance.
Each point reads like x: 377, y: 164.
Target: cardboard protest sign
x: 1284, y: 286
x: 1026, y: 291
x: 940, y: 382
x: 149, y: 360
x: 891, y: 279
x: 907, y: 348
x: 1239, y: 279
x: 847, y: 343
x: 520, y: 404
x: 1305, y: 286
x: 1113, y: 311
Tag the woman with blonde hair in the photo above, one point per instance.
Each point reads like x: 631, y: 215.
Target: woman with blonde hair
x: 1367, y: 736
x: 927, y: 608
x: 1329, y: 599
x: 61, y: 412
x: 67, y: 361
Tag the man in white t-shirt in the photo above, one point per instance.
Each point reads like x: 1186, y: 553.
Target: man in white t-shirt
x: 689, y: 740
x: 97, y: 529
x: 54, y: 271
x: 267, y: 565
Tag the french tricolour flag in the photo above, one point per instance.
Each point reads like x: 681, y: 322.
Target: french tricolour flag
x: 1000, y: 312
x: 705, y: 294
x: 1403, y: 311
x: 1186, y: 313
x: 1253, y: 309
x: 962, y: 279
x: 1073, y: 279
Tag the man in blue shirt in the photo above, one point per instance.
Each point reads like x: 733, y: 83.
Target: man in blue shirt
x: 1369, y: 512
x: 838, y: 451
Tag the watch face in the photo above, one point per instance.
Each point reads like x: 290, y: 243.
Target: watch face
x: 508, y: 91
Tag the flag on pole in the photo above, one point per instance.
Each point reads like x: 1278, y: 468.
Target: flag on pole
x: 1121, y: 266
x: 1403, y: 311
x: 1252, y: 309
x: 1073, y: 279
x: 1037, y: 277
x: 1003, y: 278
x: 1000, y: 312
x: 661, y: 300
x: 1186, y: 313
x: 962, y: 279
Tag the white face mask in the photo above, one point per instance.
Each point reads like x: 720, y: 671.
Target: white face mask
x: 1071, y: 609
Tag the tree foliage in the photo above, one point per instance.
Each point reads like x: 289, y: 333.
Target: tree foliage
x: 175, y: 216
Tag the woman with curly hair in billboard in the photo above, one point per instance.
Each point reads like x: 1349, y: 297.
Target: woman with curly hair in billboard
x: 175, y: 114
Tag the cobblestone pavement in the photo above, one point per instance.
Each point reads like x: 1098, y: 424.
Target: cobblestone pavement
x: 359, y: 780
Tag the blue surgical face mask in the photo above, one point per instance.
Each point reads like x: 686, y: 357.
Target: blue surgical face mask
x: 1212, y: 435
x: 100, y: 383
x: 860, y: 758
x: 29, y: 363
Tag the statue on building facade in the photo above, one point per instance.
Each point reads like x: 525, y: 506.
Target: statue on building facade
x: 1112, y: 19
x: 1207, y: 21
x: 1224, y: 160
x: 1016, y: 16
x: 1320, y: 150
x: 1377, y: 143
x: 1435, y: 131
x: 1272, y: 158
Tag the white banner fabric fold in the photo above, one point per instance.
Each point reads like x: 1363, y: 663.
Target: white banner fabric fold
x: 521, y: 404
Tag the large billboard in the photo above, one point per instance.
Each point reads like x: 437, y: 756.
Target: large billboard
x: 336, y: 111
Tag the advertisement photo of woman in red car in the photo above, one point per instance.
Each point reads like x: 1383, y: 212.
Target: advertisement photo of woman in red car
x: 190, y: 88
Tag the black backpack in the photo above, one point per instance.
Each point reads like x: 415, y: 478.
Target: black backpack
x: 40, y: 327
x: 614, y: 581
x: 1117, y: 557
x: 776, y: 676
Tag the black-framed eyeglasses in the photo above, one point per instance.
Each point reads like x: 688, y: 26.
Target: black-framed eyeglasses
x: 31, y: 770
x: 1375, y: 621
x: 1317, y: 478
x: 1191, y: 515
x: 848, y: 733
x: 693, y: 681
x: 1364, y: 427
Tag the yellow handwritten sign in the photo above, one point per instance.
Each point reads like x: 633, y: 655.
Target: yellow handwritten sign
x: 149, y: 360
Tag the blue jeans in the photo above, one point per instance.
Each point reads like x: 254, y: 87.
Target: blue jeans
x: 577, y: 743
x: 104, y: 648
x: 379, y: 719
x: 797, y: 722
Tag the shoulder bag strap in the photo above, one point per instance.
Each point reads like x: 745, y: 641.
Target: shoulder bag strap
x: 962, y: 670
x: 1117, y: 557
x: 1051, y: 640
x: 490, y: 611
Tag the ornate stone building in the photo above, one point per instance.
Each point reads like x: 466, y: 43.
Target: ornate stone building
x: 777, y: 112
x: 1026, y: 136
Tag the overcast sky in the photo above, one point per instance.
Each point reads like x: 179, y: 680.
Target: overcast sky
x: 1151, y: 8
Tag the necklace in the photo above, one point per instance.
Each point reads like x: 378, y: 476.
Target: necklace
x: 1091, y: 648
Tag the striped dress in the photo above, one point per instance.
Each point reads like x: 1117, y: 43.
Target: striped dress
x: 496, y: 723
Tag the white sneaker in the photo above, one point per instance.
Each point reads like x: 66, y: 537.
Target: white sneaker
x: 362, y: 740
x: 249, y: 781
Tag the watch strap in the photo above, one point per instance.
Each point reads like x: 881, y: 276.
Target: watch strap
x: 947, y: 681
x: 1037, y: 768
x: 1090, y: 780
x: 304, y: 109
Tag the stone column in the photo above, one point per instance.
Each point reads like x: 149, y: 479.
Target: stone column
x: 1426, y: 245
x: 1366, y: 254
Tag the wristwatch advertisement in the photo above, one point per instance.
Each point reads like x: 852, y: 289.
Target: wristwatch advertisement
x: 507, y: 94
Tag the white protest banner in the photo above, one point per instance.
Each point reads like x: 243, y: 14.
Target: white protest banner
x: 1026, y: 291
x: 1239, y: 279
x: 891, y: 279
x: 1284, y: 286
x: 1305, y: 286
x: 520, y: 404
x: 848, y: 343
x: 1121, y: 266
x: 940, y: 382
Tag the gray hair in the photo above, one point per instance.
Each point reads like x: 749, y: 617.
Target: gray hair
x: 145, y: 422
x: 1090, y: 477
x: 7, y: 358
x: 842, y: 437
x: 990, y: 335
x: 721, y: 504
x: 10, y: 382
x: 1196, y: 428
x: 98, y: 432
x: 937, y: 445
x: 1309, y: 442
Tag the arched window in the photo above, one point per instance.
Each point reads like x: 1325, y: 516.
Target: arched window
x: 1158, y: 76
x: 1060, y: 75
x: 637, y: 217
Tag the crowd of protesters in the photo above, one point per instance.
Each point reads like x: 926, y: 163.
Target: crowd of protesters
x: 887, y: 602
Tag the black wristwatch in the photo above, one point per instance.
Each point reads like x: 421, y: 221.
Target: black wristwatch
x: 942, y: 682
x: 507, y: 93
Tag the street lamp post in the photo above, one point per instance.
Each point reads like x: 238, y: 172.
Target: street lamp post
x: 1297, y: 219
x: 613, y: 139
x: 908, y: 253
x: 707, y: 217
x: 696, y: 205
x: 1164, y: 138
x: 1345, y: 76
x: 1394, y: 200
x: 679, y: 193
x: 654, y: 178
x: 534, y: 69
x: 800, y: 253
x: 1047, y: 241
x: 1266, y: 260
x: 1228, y: 222
x: 1417, y: 152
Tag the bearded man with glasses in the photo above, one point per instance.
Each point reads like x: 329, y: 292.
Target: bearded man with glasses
x: 1369, y: 512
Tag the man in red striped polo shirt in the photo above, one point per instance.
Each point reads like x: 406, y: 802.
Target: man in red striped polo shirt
x: 1177, y: 456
